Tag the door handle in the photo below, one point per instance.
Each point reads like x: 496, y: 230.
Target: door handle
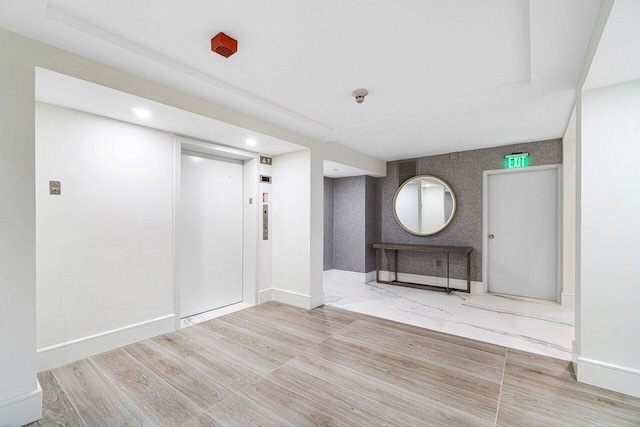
x: 491, y: 236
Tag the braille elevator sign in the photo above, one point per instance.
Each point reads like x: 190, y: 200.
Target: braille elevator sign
x: 519, y: 160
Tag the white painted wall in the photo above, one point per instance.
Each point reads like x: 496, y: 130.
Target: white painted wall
x: 266, y: 246
x: 291, y: 211
x: 105, y: 245
x: 20, y: 395
x: 250, y: 250
x: 316, y: 213
x: 609, y: 322
x: 569, y: 214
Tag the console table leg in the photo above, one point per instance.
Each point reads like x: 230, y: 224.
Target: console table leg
x: 448, y: 290
x: 377, y: 265
x: 469, y: 273
x: 396, y: 265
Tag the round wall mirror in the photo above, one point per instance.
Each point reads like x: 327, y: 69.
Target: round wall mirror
x: 424, y: 205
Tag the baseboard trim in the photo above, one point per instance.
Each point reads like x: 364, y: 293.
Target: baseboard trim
x: 349, y: 276
x: 607, y: 375
x: 292, y: 298
x: 476, y: 287
x: 370, y: 276
x: 70, y: 351
x: 328, y: 275
x: 23, y: 409
x: 568, y: 300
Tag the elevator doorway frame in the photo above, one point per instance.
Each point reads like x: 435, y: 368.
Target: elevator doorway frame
x: 250, y: 229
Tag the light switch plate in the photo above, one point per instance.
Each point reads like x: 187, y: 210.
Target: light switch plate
x: 54, y: 187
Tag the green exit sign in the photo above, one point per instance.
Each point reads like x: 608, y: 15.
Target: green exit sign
x: 516, y: 161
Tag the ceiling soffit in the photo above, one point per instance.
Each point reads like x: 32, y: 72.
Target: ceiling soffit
x: 427, y: 65
x: 500, y: 58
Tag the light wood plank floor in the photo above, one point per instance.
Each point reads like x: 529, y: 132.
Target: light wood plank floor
x: 277, y: 365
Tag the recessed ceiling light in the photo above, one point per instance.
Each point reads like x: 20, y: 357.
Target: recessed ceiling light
x: 251, y: 141
x: 141, y: 112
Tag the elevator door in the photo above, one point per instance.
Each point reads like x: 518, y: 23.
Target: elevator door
x: 210, y: 233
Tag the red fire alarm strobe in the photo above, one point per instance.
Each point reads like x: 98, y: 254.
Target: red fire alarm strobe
x: 224, y: 45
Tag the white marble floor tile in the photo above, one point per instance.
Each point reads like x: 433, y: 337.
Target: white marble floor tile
x: 554, y: 334
x: 412, y: 306
x: 537, y: 326
x: 511, y: 340
x: 343, y: 287
x: 394, y: 310
x: 526, y: 307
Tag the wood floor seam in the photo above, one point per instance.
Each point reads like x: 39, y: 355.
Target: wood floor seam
x: 327, y: 407
x: 504, y: 369
x: 161, y: 380
x: 250, y: 333
x: 277, y: 368
x: 240, y: 391
x: 124, y: 394
x: 70, y: 400
x: 182, y: 359
x: 235, y: 394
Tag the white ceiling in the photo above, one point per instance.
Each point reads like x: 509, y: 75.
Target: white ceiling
x: 443, y: 75
x: 59, y: 89
x: 338, y: 170
x: 617, y: 59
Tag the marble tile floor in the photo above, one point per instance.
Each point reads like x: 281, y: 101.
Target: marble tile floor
x: 536, y: 326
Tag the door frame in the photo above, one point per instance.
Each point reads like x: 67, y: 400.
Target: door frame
x: 485, y: 220
x: 251, y: 214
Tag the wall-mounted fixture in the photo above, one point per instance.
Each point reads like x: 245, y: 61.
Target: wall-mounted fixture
x: 359, y: 95
x: 424, y: 205
x: 516, y: 160
x: 224, y: 45
x: 265, y: 222
x: 264, y: 160
x: 54, y: 188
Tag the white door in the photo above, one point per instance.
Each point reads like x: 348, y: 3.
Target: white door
x: 210, y: 251
x: 523, y: 233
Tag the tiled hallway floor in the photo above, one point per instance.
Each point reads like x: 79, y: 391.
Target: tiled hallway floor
x: 536, y: 326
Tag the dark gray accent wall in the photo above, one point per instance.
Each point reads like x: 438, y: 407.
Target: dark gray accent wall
x: 371, y: 200
x: 328, y: 224
x: 463, y: 171
x: 349, y: 241
x: 350, y: 223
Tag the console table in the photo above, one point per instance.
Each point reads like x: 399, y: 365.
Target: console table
x: 421, y: 248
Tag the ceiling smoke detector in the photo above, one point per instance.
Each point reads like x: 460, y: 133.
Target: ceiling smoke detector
x: 359, y: 95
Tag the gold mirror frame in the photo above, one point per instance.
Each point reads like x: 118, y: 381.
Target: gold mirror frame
x: 444, y: 183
